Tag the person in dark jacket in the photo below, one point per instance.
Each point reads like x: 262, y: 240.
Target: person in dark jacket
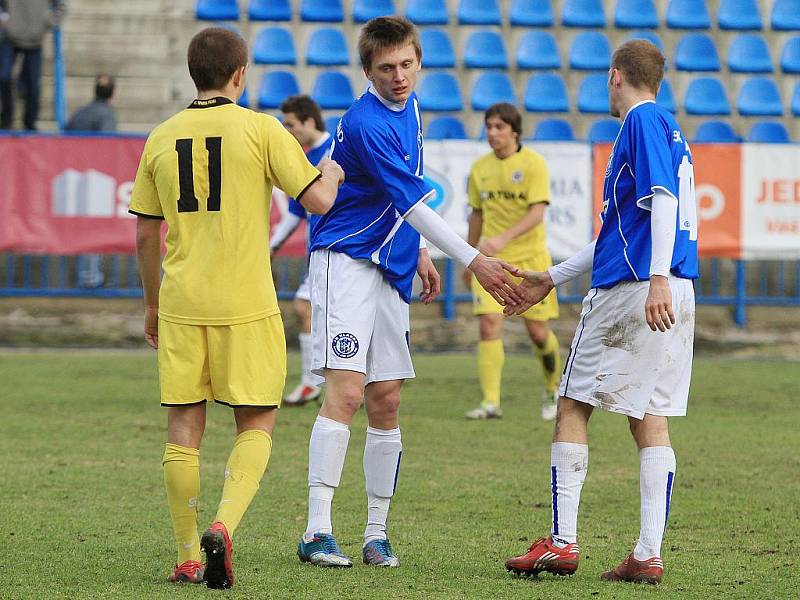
x: 98, y: 115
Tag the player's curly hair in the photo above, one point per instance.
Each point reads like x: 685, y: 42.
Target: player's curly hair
x: 641, y: 63
x: 214, y: 55
x: 382, y: 33
x: 304, y: 107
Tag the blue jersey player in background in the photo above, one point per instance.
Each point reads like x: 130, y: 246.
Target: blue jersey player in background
x: 363, y: 259
x: 632, y: 351
x: 302, y: 118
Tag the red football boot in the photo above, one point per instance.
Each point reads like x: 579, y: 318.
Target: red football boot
x: 189, y: 571
x: 216, y: 543
x: 637, y: 571
x: 544, y: 556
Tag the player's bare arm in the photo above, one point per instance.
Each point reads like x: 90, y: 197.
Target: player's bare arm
x: 475, y: 227
x: 658, y: 306
x: 431, y: 280
x: 320, y: 195
x: 148, y: 261
x: 495, y: 244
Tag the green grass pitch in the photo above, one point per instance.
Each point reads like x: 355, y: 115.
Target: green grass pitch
x: 83, y: 512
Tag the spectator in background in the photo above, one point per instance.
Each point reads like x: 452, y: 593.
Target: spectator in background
x: 24, y: 24
x: 98, y: 116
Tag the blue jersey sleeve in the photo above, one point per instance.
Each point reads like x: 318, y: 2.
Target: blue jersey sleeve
x: 384, y: 157
x: 296, y: 208
x: 651, y: 157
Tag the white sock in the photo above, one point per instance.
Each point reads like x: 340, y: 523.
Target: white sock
x: 382, y: 453
x: 306, y: 377
x: 568, y: 465
x: 656, y: 475
x: 326, y: 452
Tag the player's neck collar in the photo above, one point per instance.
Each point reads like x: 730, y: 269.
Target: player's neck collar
x: 393, y: 106
x: 209, y: 102
x: 637, y: 105
x: 322, y: 139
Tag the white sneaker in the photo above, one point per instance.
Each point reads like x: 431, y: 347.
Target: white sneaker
x: 301, y: 394
x: 549, y: 405
x: 485, y: 411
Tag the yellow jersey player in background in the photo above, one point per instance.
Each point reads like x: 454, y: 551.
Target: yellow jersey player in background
x: 209, y: 171
x: 509, y: 189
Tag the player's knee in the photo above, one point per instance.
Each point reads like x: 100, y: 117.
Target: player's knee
x: 348, y: 398
x: 490, y: 327
x: 386, y: 405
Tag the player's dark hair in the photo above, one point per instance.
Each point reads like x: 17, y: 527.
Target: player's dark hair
x: 508, y: 113
x: 214, y: 55
x: 304, y: 107
x: 103, y: 87
x: 384, y: 33
x: 641, y: 63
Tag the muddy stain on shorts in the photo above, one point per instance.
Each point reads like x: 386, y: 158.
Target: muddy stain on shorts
x: 621, y: 335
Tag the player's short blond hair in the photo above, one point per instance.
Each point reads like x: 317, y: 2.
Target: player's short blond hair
x: 641, y: 64
x: 383, y: 33
x: 214, y: 55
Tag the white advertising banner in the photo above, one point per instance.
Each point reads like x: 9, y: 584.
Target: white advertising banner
x: 568, y: 219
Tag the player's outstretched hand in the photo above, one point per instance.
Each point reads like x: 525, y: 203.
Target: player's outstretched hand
x: 151, y: 326
x: 431, y: 280
x: 493, y: 278
x: 534, y: 287
x: 658, y: 306
x: 332, y: 169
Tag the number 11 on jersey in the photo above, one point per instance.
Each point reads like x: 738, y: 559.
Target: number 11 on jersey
x: 187, y: 201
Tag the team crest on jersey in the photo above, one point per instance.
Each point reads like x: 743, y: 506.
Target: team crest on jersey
x: 345, y: 345
x: 516, y: 177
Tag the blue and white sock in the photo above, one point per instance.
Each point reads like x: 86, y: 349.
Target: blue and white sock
x: 656, y: 476
x: 382, y: 452
x: 568, y: 465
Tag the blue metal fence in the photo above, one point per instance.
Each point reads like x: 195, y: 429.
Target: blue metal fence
x: 724, y: 282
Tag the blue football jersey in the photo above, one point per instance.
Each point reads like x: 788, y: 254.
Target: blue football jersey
x: 380, y: 151
x: 649, y: 154
x: 315, y: 154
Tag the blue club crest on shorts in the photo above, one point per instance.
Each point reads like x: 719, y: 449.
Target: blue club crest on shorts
x: 345, y: 345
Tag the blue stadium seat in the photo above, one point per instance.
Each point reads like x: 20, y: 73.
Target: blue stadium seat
x: 244, y: 99
x: 716, y: 132
x: 485, y: 50
x: 446, y: 128
x: 636, y: 14
x: 786, y: 15
x: 326, y: 11
x: 583, y: 13
x: 590, y: 51
x: 364, y: 10
x: 275, y: 87
x: 706, y: 96
x: 593, y: 94
x: 538, y: 50
x: 790, y: 57
x: 269, y: 10
x: 748, y: 53
x: 331, y: 123
x: 665, y: 98
x: 795, y: 104
x: 553, y: 130
x: 759, y: 97
x: 739, y: 14
x: 650, y: 36
x: 217, y: 10
x: 604, y: 130
x: 274, y: 46
x: 531, y: 13
x: 327, y: 46
x: 768, y: 132
x: 427, y: 12
x: 332, y: 89
x: 546, y: 92
x: 696, y: 52
x: 437, y: 49
x: 478, y: 12
x: 439, y: 92
x: 491, y: 88
x: 688, y: 14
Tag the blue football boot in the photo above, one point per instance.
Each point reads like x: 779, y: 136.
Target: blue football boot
x: 323, y: 551
x: 379, y: 553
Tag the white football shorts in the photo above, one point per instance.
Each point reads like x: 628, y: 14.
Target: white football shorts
x: 618, y: 364
x: 304, y: 291
x: 358, y: 320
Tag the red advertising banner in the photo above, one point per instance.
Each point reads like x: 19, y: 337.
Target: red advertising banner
x: 70, y: 195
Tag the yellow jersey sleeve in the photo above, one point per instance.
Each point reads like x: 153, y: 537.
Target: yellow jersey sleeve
x: 473, y: 193
x: 539, y: 190
x: 286, y: 162
x: 144, y: 198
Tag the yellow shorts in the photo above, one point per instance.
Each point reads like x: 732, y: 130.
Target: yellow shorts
x: 484, y: 304
x: 236, y: 365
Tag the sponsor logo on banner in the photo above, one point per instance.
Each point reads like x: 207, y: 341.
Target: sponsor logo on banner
x: 90, y: 193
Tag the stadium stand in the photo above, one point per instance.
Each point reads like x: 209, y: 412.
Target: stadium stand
x: 428, y: 12
x: 688, y: 14
x: 583, y: 13
x: 479, y: 12
x: 604, y: 130
x: 636, y: 14
x: 333, y: 89
x: 742, y: 15
x: 768, y: 132
x: 716, y: 132
x: 538, y: 50
x: 546, y: 92
x: 759, y: 97
x: 590, y: 51
x: 274, y: 46
x: 650, y: 36
x: 439, y: 92
x: 490, y: 88
x: 446, y: 128
x: 531, y: 13
x: 790, y: 56
x: 696, y: 52
x: 666, y: 98
x: 217, y: 10
x: 749, y: 53
x: 553, y: 130
x: 485, y: 50
x: 269, y: 10
x: 593, y: 94
x: 275, y: 87
x: 327, y: 46
x: 795, y: 104
x: 437, y: 49
x: 786, y: 15
x: 331, y: 123
x: 321, y: 11
x: 706, y: 96
x: 364, y: 10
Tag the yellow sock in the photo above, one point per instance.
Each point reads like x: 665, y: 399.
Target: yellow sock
x: 550, y: 355
x: 490, y: 370
x: 246, y: 466
x: 182, y: 480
